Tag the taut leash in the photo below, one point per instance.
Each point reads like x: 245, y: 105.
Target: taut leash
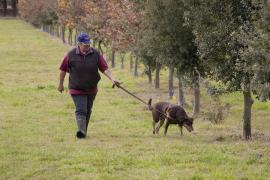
x: 118, y: 85
x: 136, y: 97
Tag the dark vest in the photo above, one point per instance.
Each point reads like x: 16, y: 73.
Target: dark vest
x: 83, y: 70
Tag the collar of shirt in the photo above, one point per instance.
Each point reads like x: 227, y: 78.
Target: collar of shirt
x: 79, y: 52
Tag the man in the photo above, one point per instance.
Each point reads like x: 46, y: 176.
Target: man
x: 83, y: 63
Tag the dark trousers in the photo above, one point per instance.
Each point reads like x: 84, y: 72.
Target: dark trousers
x: 83, y: 104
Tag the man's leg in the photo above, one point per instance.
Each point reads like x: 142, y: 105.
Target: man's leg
x: 90, y: 101
x: 80, y: 102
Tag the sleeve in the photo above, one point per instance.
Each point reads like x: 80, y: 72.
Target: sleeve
x: 64, y: 64
x: 102, y: 64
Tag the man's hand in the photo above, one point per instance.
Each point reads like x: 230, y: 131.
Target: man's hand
x: 109, y: 75
x: 61, y: 88
x: 61, y: 81
x: 116, y: 83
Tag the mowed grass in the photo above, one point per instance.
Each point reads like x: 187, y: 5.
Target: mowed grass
x: 37, y: 127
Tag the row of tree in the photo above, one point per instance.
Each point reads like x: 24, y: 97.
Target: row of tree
x: 222, y: 40
x: 4, y: 7
x: 111, y: 23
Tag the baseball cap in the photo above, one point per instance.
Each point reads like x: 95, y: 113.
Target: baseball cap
x: 84, y: 38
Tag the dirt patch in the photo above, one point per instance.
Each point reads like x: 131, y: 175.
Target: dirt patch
x: 236, y: 135
x: 259, y: 136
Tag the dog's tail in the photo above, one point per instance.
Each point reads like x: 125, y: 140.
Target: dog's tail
x: 149, y: 104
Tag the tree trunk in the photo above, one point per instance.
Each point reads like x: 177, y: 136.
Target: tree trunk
x: 51, y: 29
x: 181, y: 97
x: 131, y: 63
x: 196, y: 100
x: 14, y: 7
x: 63, y: 34
x: 149, y: 74
x: 4, y: 7
x: 157, y: 79
x: 56, y: 30
x: 42, y: 27
x: 136, y: 74
x: 70, y: 36
x: 248, y: 101
x: 113, y: 58
x: 46, y: 28
x: 171, y: 92
x: 122, y: 60
x: 75, y: 37
x: 99, y: 47
x: 58, y: 34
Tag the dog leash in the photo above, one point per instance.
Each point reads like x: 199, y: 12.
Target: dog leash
x: 136, y: 97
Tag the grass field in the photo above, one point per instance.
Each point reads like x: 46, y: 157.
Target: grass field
x: 37, y: 127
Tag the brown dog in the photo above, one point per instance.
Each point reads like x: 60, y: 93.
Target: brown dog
x: 175, y: 115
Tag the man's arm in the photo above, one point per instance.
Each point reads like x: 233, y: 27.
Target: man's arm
x: 103, y: 67
x: 108, y: 73
x: 63, y: 70
x: 61, y: 81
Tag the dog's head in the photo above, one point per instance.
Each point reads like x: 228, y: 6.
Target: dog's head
x: 179, y: 114
x: 188, y: 124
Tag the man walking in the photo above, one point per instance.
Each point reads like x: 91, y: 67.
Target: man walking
x: 83, y: 64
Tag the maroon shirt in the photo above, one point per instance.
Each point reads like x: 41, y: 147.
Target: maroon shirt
x: 102, y: 66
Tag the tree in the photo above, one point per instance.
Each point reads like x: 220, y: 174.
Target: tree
x: 4, y: 5
x: 14, y: 7
x: 71, y: 13
x: 148, y: 61
x: 170, y: 39
x: 94, y: 20
x: 225, y: 36
x: 122, y: 25
x: 38, y: 12
x: 148, y: 53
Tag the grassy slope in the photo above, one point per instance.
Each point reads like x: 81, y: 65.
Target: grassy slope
x: 37, y: 126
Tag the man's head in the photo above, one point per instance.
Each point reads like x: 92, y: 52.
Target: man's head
x: 84, y: 42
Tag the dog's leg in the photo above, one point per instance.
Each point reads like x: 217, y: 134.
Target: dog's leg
x: 160, y: 124
x: 155, y: 117
x: 166, y: 127
x: 154, y: 126
x: 181, y: 129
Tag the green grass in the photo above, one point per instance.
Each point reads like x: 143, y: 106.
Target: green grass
x: 37, y: 125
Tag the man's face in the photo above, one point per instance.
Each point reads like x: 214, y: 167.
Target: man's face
x: 84, y: 47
